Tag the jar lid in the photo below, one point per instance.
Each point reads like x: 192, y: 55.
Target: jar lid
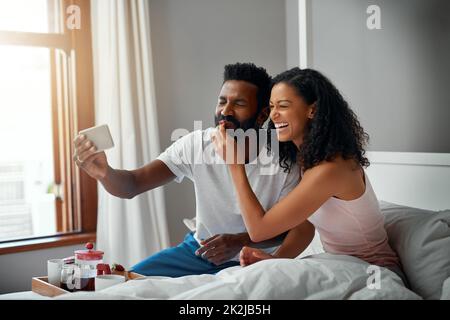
x: 89, y: 254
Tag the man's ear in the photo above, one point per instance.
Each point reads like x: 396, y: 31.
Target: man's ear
x: 312, y: 110
x: 262, y: 116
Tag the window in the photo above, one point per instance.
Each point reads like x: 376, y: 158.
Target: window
x: 25, y: 15
x: 26, y: 166
x: 46, y: 97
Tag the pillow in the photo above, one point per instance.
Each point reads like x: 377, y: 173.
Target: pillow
x: 421, y: 239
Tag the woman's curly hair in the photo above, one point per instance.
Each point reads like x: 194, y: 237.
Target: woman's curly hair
x: 334, y: 129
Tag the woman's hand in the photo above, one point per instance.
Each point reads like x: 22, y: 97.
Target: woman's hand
x: 250, y: 255
x: 225, y: 146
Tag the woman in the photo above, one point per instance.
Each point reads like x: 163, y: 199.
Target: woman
x: 320, y: 133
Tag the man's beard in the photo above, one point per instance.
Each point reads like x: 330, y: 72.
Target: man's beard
x: 245, y: 125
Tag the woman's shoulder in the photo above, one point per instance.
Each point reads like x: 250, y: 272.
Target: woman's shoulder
x: 342, y: 177
x: 336, y: 167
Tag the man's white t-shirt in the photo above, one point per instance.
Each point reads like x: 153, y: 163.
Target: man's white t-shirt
x: 217, y: 207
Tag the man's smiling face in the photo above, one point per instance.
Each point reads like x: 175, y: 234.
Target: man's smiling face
x: 237, y: 105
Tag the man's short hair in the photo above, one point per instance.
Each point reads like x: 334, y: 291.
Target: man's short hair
x: 258, y: 76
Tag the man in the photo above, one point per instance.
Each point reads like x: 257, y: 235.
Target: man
x: 220, y: 231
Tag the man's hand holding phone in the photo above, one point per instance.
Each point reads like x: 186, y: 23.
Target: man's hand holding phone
x: 89, y: 154
x: 87, y: 158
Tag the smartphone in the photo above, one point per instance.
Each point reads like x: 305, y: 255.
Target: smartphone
x: 100, y: 137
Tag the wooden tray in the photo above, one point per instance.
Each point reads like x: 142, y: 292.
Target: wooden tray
x: 41, y: 286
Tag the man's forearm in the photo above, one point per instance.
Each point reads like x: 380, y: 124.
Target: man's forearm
x: 263, y: 244
x: 296, y: 241
x: 119, y: 183
x: 128, y: 184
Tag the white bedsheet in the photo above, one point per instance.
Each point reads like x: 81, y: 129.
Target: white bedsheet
x: 322, y: 276
x: 24, y: 295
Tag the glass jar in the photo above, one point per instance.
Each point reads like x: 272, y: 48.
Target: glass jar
x: 85, y: 270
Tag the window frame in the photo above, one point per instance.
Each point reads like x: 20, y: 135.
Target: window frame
x: 73, y: 110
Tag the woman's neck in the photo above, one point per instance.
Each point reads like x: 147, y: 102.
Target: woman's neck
x: 298, y: 142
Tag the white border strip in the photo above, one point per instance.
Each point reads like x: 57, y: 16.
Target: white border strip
x: 303, y: 34
x: 409, y: 158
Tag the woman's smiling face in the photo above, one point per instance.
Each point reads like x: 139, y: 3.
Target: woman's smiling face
x: 290, y: 113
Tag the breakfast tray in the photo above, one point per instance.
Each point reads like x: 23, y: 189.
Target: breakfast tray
x: 41, y: 286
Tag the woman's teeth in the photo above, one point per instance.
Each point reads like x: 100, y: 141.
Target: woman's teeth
x: 281, y: 125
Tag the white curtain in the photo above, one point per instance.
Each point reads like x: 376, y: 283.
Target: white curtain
x: 127, y: 230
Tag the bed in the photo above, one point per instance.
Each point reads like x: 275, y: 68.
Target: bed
x: 419, y: 230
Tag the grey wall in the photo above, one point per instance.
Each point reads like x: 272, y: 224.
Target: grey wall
x: 396, y: 79
x: 292, y: 35
x: 192, y: 41
x: 17, y: 269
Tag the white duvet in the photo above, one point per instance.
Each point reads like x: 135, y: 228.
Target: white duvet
x: 321, y: 276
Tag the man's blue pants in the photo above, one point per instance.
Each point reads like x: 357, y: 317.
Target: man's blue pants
x: 179, y: 261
